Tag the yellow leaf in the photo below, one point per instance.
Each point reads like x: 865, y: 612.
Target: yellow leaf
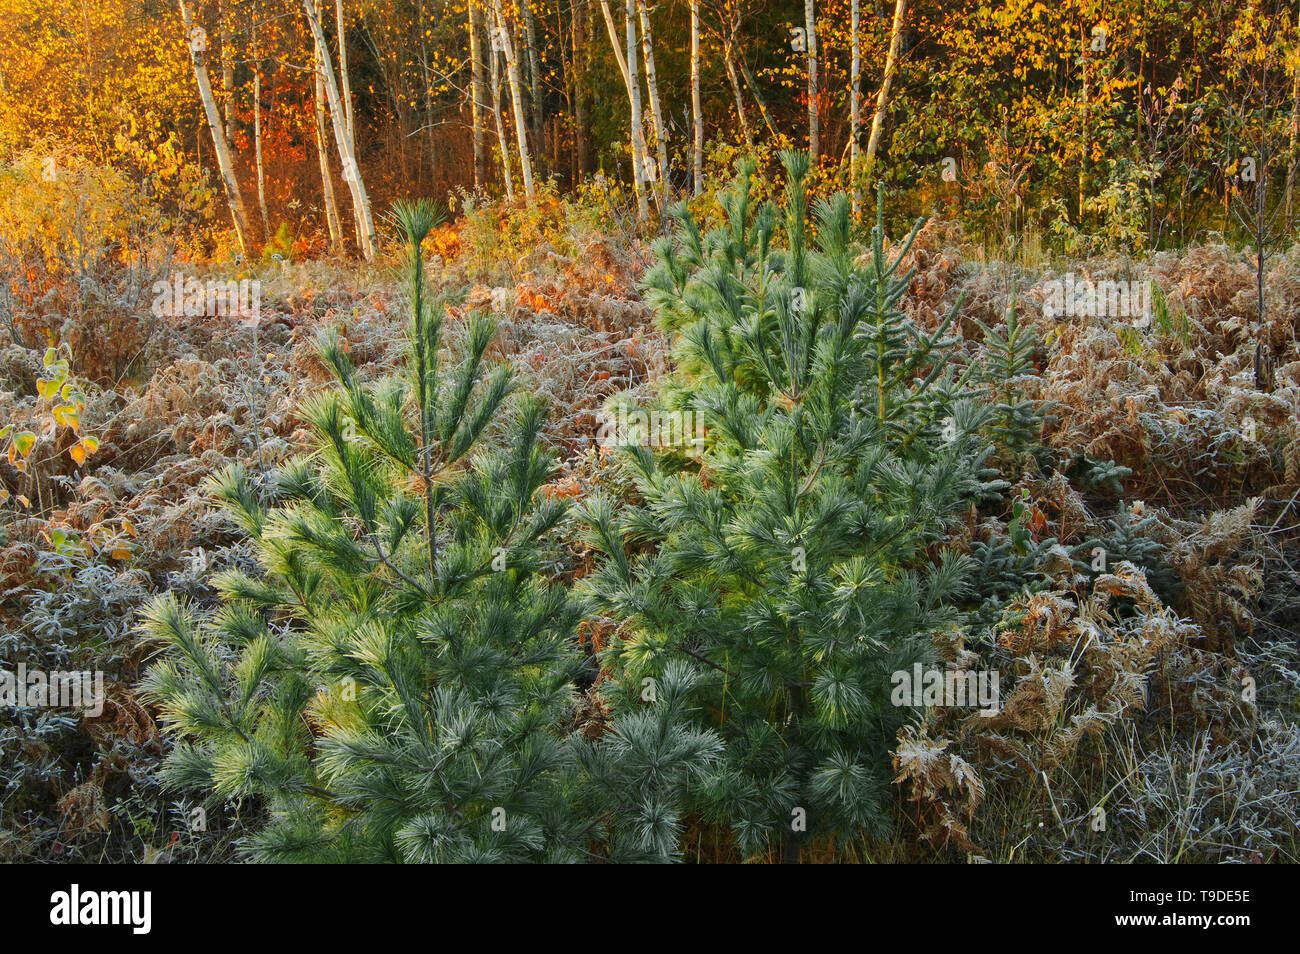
x: 24, y: 442
x: 120, y: 553
x: 66, y: 414
x: 128, y: 526
x: 23, y: 500
x: 78, y: 453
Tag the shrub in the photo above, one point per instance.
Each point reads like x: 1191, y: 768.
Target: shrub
x: 399, y: 685
x: 796, y: 565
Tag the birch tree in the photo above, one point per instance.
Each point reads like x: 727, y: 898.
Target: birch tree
x: 534, y: 72
x: 697, y: 113
x: 345, y: 78
x: 634, y: 92
x: 197, y: 41
x: 257, y: 134
x: 652, y: 90
x: 227, y: 71
x: 633, y: 85
x: 882, y: 99
x: 332, y: 220
x: 478, y: 104
x: 502, y: 144
x: 516, y: 98
x: 351, y: 171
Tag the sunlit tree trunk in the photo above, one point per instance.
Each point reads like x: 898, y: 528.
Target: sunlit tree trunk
x: 634, y: 92
x: 345, y: 77
x: 228, y: 73
x: 345, y: 90
x: 633, y: 85
x: 478, y: 105
x: 581, y: 134
x: 697, y: 113
x: 257, y: 136
x: 502, y: 144
x: 1085, y: 128
x: 652, y: 91
x: 534, y: 75
x: 855, y: 77
x: 332, y: 220
x: 351, y: 170
x: 198, y: 48
x: 814, y: 133
x: 516, y: 98
x: 882, y: 99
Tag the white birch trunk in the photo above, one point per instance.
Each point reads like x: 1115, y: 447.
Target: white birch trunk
x: 882, y: 100
x: 697, y: 117
x: 351, y: 170
x: 652, y: 90
x: 502, y: 144
x: 516, y: 98
x: 634, y: 103
x: 220, y: 146
x: 332, y: 220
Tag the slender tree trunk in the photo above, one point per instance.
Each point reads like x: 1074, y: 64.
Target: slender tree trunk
x: 516, y: 99
x: 855, y: 77
x: 728, y: 56
x: 758, y: 98
x: 345, y: 78
x: 814, y: 133
x: 351, y: 170
x: 238, y: 213
x: 882, y: 100
x: 228, y: 74
x: 257, y: 137
x: 534, y: 76
x: 581, y: 136
x: 332, y: 220
x: 1294, y: 131
x: 1085, y: 145
x: 656, y: 113
x: 502, y: 144
x: 633, y: 85
x: 634, y: 74
x: 478, y: 105
x: 345, y: 90
x: 697, y: 113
